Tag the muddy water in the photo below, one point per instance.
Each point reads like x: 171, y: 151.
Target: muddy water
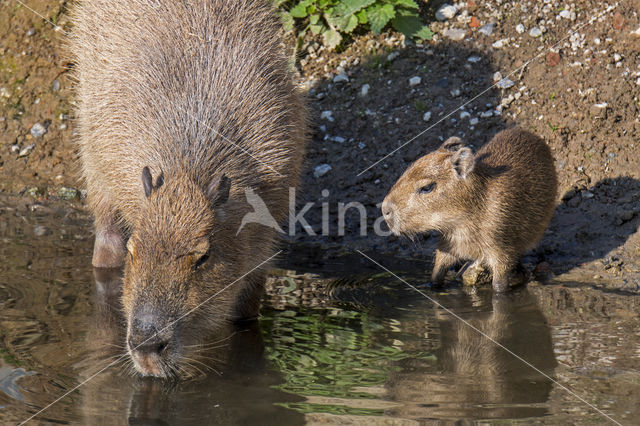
x: 338, y: 343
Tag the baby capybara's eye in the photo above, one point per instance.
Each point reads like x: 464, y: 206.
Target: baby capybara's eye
x: 427, y: 188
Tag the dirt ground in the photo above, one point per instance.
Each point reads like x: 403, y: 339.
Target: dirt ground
x: 573, y: 73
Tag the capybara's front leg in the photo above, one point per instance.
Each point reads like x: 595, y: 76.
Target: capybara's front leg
x: 108, y: 249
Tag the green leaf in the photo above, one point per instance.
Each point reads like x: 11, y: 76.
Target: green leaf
x: 317, y: 29
x: 351, y: 24
x: 349, y: 7
x: 331, y: 38
x: 410, y: 24
x: 287, y: 21
x: 313, y: 19
x: 300, y: 9
x: 379, y: 16
x: 362, y: 17
x: 406, y: 3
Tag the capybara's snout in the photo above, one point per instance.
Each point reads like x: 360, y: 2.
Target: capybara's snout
x: 151, y: 340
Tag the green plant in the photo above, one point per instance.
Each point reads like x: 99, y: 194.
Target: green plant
x: 333, y: 19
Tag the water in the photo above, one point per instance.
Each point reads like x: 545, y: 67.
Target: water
x: 342, y: 342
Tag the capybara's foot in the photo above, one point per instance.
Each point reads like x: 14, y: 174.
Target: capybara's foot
x: 108, y: 249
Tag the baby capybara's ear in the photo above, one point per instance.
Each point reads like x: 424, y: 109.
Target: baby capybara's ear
x: 218, y: 190
x: 453, y: 144
x: 463, y: 162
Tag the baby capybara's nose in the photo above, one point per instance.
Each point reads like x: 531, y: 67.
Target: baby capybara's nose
x: 387, y: 212
x: 149, y: 333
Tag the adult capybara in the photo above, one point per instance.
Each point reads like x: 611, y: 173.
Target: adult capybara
x: 182, y: 105
x: 490, y: 206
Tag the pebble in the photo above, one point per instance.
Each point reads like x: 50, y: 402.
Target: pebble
x: 497, y: 76
x: 338, y: 139
x: 454, y: 34
x: 56, y: 85
x: 455, y: 92
x: 391, y: 56
x: 474, y: 59
x: 488, y: 113
x: 4, y: 92
x: 38, y: 130
x: 15, y: 148
x: 535, y: 32
x: 26, y: 150
x: 361, y: 145
x: 566, y: 14
x: 31, y: 31
x: 445, y: 12
x: 500, y: 43
x: 464, y: 114
x: 636, y: 32
x: 321, y: 170
x: 326, y: 115
x: 505, y: 83
x: 340, y: 78
x: 364, y: 90
x: 414, y: 81
x: 487, y: 29
x: 474, y: 121
x: 520, y: 28
x: 426, y: 116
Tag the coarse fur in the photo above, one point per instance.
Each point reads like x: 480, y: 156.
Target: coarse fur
x: 489, y: 207
x: 197, y: 94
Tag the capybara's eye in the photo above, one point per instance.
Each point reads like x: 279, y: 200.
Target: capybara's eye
x: 427, y: 188
x: 201, y: 261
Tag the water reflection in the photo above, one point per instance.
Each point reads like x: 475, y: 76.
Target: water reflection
x: 234, y: 387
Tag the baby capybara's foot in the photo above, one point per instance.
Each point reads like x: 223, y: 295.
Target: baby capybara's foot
x: 108, y: 249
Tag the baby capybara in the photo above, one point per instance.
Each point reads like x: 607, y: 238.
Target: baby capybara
x: 488, y: 207
x: 182, y: 106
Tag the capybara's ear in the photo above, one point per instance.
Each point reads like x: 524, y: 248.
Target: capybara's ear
x: 218, y: 190
x: 159, y: 181
x: 453, y: 144
x: 147, y: 181
x: 463, y: 162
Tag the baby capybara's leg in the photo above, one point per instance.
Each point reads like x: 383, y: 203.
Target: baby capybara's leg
x: 443, y: 262
x: 108, y: 249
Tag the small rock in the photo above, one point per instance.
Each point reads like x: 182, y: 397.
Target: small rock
x: 426, y: 116
x: 455, y: 92
x: 617, y: 57
x: 26, y: 150
x: 464, y: 114
x: 326, y: 115
x: 474, y: 121
x: 488, y: 113
x: 487, y: 29
x: 38, y: 130
x: 338, y: 139
x: 31, y: 31
x: 505, y: 83
x: 391, y: 56
x: 4, y: 92
x: 497, y: 76
x: 553, y: 59
x: 566, y: 14
x: 500, y: 43
x: 636, y: 32
x: 321, y: 170
x: 15, y: 148
x: 535, y: 32
x: 56, y: 85
x: 520, y: 28
x: 476, y: 274
x: 361, y: 145
x: 474, y: 22
x: 587, y: 195
x: 454, y: 34
x: 617, y: 21
x: 364, y: 90
x: 68, y: 193
x: 414, y: 81
x: 445, y: 12
x: 474, y: 59
x: 340, y: 78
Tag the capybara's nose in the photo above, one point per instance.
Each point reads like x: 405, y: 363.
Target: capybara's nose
x: 149, y: 333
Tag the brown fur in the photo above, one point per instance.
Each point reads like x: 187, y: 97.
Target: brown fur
x: 489, y: 207
x: 193, y: 90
